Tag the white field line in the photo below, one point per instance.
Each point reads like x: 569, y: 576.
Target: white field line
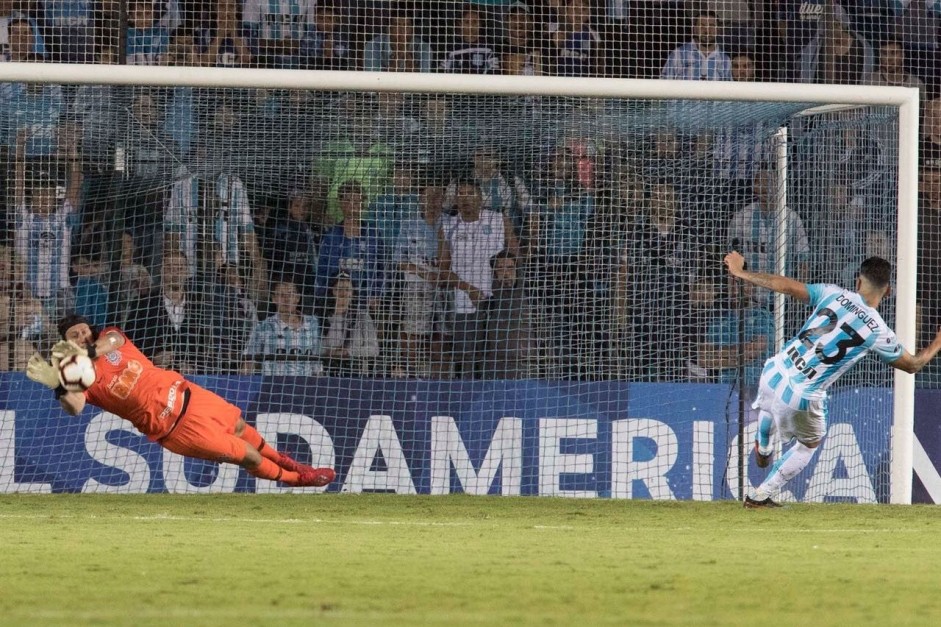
x: 429, y: 523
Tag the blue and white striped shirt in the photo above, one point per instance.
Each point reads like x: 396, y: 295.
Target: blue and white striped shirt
x: 687, y: 62
x: 740, y: 152
x: 842, y: 330
x: 280, y: 20
x: 273, y: 340
x: 44, y: 245
x: 229, y: 208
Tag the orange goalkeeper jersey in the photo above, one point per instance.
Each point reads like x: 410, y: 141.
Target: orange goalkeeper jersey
x: 131, y: 386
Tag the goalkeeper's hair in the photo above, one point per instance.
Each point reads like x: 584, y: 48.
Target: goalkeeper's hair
x: 70, y: 320
x: 877, y: 271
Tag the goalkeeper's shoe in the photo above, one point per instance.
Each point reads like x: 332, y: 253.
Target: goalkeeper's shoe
x: 288, y: 463
x: 763, y: 461
x: 751, y: 503
x: 315, y: 477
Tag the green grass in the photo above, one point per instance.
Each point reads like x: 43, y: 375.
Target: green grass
x: 382, y: 559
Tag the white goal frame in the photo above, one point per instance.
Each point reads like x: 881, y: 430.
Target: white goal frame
x: 825, y: 97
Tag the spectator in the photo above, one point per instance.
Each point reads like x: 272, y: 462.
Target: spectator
x: 355, y: 155
x: 394, y: 125
x: 837, y: 54
x: 519, y: 55
x: 93, y: 111
x: 24, y: 329
x: 557, y: 238
x: 293, y: 248
x: 508, y: 197
x: 279, y: 34
x: 578, y: 49
x: 149, y: 153
x: 20, y: 39
x: 740, y: 150
x: 470, y: 239
x: 286, y: 343
x: 354, y: 248
x: 147, y: 39
x: 222, y: 43
x: 37, y: 110
x: 388, y: 211
x: 134, y: 282
x: 351, y: 342
x: 217, y: 205
x: 736, y: 29
x: 441, y: 129
x: 417, y: 258
x: 891, y: 70
x: 929, y: 245
x: 667, y: 251
x: 24, y: 326
x: 70, y: 30
x: 232, y: 317
x: 329, y: 46
x: 701, y: 58
x: 509, y: 335
x: 930, y: 148
x: 470, y: 54
x: 799, y: 22
x: 166, y: 323
x: 723, y: 345
x: 89, y: 270
x: 44, y: 229
x: 399, y: 49
x: 752, y: 232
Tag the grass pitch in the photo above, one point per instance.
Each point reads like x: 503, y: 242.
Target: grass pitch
x: 383, y: 559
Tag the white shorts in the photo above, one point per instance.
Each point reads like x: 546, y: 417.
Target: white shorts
x: 418, y: 308
x: 801, y: 418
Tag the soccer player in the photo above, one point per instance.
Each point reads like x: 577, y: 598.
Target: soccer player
x: 792, y: 397
x: 179, y: 415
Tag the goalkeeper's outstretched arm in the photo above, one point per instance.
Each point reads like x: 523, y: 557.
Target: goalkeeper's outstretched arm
x: 775, y: 282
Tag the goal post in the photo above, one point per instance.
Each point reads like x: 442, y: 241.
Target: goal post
x: 806, y: 101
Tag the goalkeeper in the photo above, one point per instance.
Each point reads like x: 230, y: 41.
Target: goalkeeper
x: 179, y: 415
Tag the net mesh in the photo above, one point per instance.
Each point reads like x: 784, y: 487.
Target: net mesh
x: 579, y: 338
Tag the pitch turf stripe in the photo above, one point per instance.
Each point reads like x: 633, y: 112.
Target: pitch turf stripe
x: 428, y: 523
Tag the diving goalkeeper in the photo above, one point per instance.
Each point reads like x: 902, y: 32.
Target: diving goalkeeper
x: 179, y: 415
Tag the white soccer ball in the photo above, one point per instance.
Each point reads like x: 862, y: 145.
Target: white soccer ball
x: 77, y: 373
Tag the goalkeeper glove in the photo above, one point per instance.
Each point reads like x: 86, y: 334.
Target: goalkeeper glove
x: 41, y: 371
x: 67, y: 348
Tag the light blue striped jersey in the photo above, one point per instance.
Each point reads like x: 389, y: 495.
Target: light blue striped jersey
x: 226, y: 206
x: 272, y: 340
x: 687, y: 62
x: 281, y: 19
x: 146, y: 46
x: 842, y: 330
x: 64, y: 13
x: 43, y: 243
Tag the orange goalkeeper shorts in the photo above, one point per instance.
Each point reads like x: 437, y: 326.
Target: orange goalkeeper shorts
x: 207, y: 429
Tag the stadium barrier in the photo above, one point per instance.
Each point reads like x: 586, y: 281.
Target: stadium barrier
x: 484, y: 437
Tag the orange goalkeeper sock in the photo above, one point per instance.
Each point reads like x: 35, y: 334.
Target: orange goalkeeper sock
x: 267, y: 469
x: 254, y: 439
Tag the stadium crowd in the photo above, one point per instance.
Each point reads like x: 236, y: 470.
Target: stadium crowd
x: 297, y: 233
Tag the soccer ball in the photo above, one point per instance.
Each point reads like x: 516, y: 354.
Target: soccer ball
x: 77, y: 373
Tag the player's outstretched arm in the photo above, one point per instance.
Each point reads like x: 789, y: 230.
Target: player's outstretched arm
x: 913, y: 363
x: 775, y: 282
x: 47, y: 374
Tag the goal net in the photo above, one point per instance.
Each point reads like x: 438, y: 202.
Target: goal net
x: 439, y: 283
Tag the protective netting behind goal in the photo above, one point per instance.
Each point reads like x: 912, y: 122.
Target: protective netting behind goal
x: 437, y: 293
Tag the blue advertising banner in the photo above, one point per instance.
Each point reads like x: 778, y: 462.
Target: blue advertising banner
x: 576, y: 439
